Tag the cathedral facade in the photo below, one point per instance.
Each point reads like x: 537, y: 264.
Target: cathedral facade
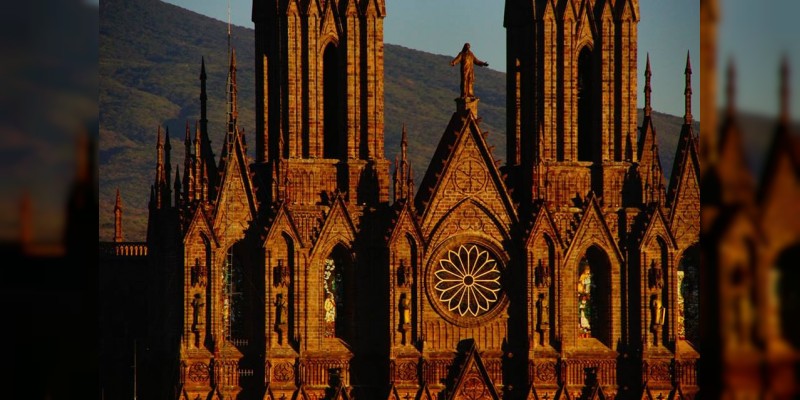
x: 320, y: 270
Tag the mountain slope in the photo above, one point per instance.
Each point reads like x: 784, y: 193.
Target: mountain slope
x: 150, y: 55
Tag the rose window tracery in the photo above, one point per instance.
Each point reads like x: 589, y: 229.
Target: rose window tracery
x: 467, y: 280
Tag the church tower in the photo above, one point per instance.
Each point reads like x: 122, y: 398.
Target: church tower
x: 319, y: 99
x: 571, y: 113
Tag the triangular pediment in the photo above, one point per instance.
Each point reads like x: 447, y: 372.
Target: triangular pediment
x: 268, y: 394
x: 199, y: 225
x: 684, y: 216
x: 472, y: 382
x: 782, y: 167
x: 405, y: 223
x: 300, y: 394
x: 607, y: 14
x: 586, y: 30
x: 236, y: 199
x: 535, y: 393
x: 281, y: 223
x: 424, y: 393
x: 598, y: 394
x: 462, y: 169
x: 291, y: 7
x: 627, y: 10
x: 649, y: 166
x: 657, y: 227
x: 340, y: 393
x: 338, y: 227
x: 548, y: 11
x: 349, y: 7
x: 646, y: 394
x: 677, y: 394
x: 563, y: 394
x: 393, y: 395
x: 374, y: 7
x: 543, y: 224
x: 330, y: 25
x: 593, y: 229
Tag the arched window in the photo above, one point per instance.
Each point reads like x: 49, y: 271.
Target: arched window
x: 233, y: 304
x: 688, y: 295
x: 337, y: 287
x: 784, y: 276
x: 333, y: 141
x: 586, y: 99
x: 593, y: 283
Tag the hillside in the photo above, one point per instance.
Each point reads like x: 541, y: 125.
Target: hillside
x: 150, y: 56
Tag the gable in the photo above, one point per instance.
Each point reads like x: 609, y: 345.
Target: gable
x: 283, y: 222
x: 330, y: 25
x: 627, y: 10
x: 235, y: 204
x: 199, y: 225
x: 586, y: 30
x: 685, y: 211
x: 657, y: 227
x: 543, y: 224
x: 337, y: 228
x: 463, y: 168
x: 473, y: 382
x: 405, y: 223
x: 593, y: 229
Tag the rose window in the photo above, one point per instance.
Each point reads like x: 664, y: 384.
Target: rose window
x: 467, y: 280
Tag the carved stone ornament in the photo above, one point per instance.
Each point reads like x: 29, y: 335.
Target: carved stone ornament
x: 198, y: 372
x: 283, y: 372
x: 407, y: 371
x: 546, y: 371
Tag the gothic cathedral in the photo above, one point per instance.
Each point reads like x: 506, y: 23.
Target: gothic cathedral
x: 314, y: 272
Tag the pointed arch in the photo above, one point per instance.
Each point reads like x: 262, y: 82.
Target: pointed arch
x: 338, y: 294
x: 688, y: 300
x: 783, y: 277
x: 452, y: 216
x: 594, y: 296
x: 235, y: 292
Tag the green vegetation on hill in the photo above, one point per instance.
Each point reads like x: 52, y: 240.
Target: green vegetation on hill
x: 150, y: 55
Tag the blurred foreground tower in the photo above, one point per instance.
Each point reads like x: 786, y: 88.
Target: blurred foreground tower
x: 751, y: 244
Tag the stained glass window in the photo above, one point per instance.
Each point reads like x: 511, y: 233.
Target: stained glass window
x: 585, y: 306
x: 332, y: 303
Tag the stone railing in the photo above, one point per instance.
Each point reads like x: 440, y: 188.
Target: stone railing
x: 127, y: 249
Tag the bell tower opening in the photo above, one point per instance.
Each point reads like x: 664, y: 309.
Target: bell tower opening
x: 333, y: 143
x: 586, y: 107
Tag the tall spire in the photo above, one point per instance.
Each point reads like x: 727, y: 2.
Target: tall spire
x: 404, y: 144
x: 233, y: 112
x: 687, y: 115
x: 160, y: 179
x: 730, y: 89
x: 203, y: 98
x: 647, y: 74
x: 402, y: 172
x: 784, y: 91
x: 167, y: 168
x: 118, y: 219
x: 177, y: 186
